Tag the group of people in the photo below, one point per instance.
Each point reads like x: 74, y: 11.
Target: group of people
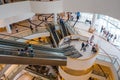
x: 86, y: 44
x: 71, y: 17
x: 27, y: 51
x: 109, y: 36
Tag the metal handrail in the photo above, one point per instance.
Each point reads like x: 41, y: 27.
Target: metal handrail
x: 102, y: 70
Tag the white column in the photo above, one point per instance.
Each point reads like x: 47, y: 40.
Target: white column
x: 8, y: 29
x: 55, y: 18
x: 93, y: 20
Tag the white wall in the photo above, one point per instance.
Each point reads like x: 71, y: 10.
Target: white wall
x: 14, y: 19
x: 14, y: 12
x: 78, y: 64
x: 47, y: 7
x: 108, y: 7
x: 13, y: 9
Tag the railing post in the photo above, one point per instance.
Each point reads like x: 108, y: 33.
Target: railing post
x: 114, y: 61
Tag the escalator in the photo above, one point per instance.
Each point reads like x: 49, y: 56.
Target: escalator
x: 75, y: 22
x: 53, y: 34
x: 20, y: 44
x: 43, y: 55
x: 71, y: 29
x: 63, y: 28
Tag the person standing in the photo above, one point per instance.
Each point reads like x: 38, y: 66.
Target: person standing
x: 115, y: 37
x: 31, y: 28
x: 82, y: 46
x: 101, y: 29
x: 16, y: 29
x: 30, y: 50
x: 91, y: 39
x: 78, y: 15
x: 87, y: 44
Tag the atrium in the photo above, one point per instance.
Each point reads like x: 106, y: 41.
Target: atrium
x: 59, y: 40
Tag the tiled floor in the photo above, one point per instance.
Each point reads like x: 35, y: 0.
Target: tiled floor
x: 77, y: 45
x: 87, y: 53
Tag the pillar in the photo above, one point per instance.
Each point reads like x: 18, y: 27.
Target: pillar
x: 8, y: 29
x: 92, y: 27
x: 55, y: 18
x: 93, y: 20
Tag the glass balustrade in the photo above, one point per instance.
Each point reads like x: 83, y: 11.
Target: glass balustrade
x: 20, y: 36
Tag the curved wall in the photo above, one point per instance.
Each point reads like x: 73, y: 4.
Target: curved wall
x: 107, y: 7
x: 73, y: 77
x: 78, y: 64
x: 47, y: 7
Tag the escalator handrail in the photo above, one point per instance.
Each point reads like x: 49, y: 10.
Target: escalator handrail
x: 38, y: 53
x: 21, y: 44
x: 102, y: 70
x: 54, y: 35
x: 35, y: 47
x: 65, y: 29
x: 55, y: 43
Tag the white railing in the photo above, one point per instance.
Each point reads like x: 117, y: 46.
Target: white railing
x: 115, y: 62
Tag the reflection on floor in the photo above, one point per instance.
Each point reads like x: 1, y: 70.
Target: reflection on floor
x: 26, y: 77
